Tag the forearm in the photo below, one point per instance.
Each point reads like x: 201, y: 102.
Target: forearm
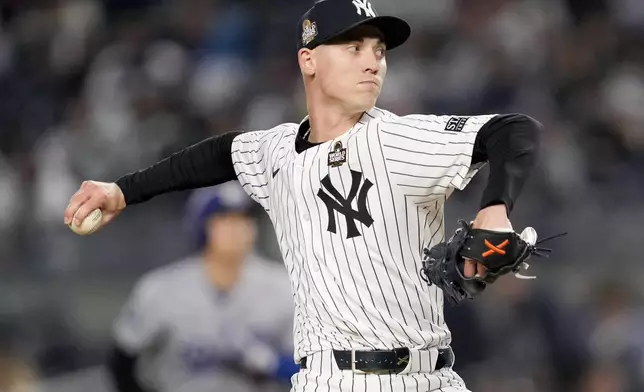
x: 121, y: 368
x: 510, y: 143
x: 204, y: 164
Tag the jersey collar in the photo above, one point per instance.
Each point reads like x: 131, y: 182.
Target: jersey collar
x: 301, y: 139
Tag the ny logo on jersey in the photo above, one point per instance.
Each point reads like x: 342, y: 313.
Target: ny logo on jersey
x: 364, y: 5
x: 343, y: 205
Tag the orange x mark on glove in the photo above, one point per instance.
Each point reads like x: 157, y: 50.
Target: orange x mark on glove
x: 495, y: 249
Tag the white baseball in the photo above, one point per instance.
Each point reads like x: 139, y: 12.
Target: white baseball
x: 89, y: 224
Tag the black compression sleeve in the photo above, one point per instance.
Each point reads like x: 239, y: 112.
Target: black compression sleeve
x: 206, y: 163
x: 121, y: 369
x: 510, y: 143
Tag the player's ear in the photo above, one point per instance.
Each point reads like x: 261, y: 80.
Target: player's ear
x: 306, y: 59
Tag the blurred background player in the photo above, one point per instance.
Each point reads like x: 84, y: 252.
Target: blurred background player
x: 220, y: 320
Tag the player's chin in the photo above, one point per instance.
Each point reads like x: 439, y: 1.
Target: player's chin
x: 365, y: 101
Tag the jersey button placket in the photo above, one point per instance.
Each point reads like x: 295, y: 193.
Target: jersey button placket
x: 301, y: 211
x: 298, y: 168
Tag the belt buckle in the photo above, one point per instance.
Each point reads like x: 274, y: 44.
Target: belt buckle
x: 353, y: 363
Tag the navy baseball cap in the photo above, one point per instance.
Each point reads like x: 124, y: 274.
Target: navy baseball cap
x: 205, y: 203
x: 328, y: 19
x: 220, y: 199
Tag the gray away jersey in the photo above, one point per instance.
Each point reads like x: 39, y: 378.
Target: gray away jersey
x: 191, y: 338
x: 352, y: 216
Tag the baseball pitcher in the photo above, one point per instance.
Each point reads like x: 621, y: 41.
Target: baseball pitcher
x: 356, y: 195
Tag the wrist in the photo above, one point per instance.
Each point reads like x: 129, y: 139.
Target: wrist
x: 496, y: 208
x: 120, y: 197
x: 492, y: 198
x: 493, y: 217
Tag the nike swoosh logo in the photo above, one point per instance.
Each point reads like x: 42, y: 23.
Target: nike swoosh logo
x: 275, y: 172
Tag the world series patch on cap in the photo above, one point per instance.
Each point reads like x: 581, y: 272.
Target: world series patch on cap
x: 328, y: 19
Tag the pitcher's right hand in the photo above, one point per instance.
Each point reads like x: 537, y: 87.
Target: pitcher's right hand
x: 105, y: 196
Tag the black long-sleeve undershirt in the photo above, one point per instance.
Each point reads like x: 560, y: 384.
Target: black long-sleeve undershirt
x: 206, y: 163
x: 508, y: 142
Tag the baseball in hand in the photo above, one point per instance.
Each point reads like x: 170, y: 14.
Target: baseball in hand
x: 89, y: 225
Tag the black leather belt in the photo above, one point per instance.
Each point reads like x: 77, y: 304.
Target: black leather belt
x: 382, y: 361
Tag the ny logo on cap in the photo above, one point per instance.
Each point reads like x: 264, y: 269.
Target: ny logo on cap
x: 364, y: 5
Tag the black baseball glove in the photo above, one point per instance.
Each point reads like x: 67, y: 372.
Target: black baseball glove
x: 501, y: 253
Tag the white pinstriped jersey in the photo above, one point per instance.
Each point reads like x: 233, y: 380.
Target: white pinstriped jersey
x: 351, y: 234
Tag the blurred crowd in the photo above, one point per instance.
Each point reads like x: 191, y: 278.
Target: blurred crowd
x: 91, y: 89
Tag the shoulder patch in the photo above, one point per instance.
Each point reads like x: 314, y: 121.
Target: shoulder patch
x: 456, y: 124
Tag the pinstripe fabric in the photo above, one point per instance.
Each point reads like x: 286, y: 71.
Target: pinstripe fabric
x: 352, y: 236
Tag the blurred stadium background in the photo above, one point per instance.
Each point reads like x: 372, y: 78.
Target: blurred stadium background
x: 91, y: 89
